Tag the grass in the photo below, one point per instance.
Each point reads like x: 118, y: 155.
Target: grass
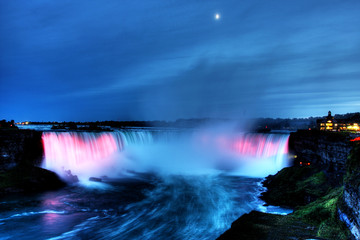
x: 316, y: 185
x: 323, y: 213
x: 296, y: 186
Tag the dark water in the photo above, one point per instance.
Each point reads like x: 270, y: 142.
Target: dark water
x: 138, y: 207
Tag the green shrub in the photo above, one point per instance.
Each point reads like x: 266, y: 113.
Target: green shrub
x: 323, y: 213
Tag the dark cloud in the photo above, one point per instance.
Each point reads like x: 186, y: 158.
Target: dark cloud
x: 140, y: 59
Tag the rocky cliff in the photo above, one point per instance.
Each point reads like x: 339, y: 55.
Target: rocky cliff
x: 339, y: 158
x: 349, y: 208
x: 327, y: 150
x: 20, y: 147
x: 21, y: 153
x: 322, y: 192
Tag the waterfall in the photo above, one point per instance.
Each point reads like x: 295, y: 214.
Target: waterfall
x: 247, y: 154
x: 88, y: 154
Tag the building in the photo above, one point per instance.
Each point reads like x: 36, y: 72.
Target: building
x: 329, y: 123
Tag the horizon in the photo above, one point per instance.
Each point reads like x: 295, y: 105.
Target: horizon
x: 189, y: 119
x: 156, y: 61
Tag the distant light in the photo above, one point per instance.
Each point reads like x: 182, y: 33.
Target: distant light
x: 217, y: 16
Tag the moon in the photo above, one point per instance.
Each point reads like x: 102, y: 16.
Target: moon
x: 217, y: 16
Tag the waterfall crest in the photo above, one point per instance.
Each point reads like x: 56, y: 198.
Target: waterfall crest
x: 89, y: 154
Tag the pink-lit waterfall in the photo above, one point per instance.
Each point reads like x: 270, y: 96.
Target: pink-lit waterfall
x: 113, y: 153
x: 247, y: 144
x: 260, y: 145
x: 88, y: 154
x: 249, y: 154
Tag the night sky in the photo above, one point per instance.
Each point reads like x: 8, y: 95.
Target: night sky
x: 162, y: 60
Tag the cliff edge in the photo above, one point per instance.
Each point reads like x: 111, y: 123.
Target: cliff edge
x: 21, y: 152
x: 323, y: 188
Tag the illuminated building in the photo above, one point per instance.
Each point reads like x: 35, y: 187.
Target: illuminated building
x: 328, y: 123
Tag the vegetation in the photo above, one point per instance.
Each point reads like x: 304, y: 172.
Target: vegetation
x: 7, y: 125
x: 350, y: 117
x: 258, y: 225
x: 316, y: 201
x: 315, y: 197
x: 318, y: 219
x: 296, y: 186
x: 323, y: 214
x: 352, y: 176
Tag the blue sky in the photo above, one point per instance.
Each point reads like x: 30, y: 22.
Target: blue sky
x: 163, y: 60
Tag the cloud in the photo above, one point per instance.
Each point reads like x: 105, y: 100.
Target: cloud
x: 166, y: 60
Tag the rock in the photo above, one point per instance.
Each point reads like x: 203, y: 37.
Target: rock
x: 20, y: 147
x: 323, y: 214
x: 349, y: 207
x: 95, y: 179
x: 322, y: 194
x: 69, y: 177
x: 20, y: 152
x: 295, y: 186
x: 257, y: 225
x: 28, y: 179
x: 328, y: 150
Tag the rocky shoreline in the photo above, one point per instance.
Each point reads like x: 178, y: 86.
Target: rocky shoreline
x: 324, y: 195
x: 21, y: 153
x: 27, y: 179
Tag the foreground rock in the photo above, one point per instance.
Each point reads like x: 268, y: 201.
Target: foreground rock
x: 28, y: 179
x: 20, y: 152
x: 316, y: 220
x: 258, y: 225
x: 296, y: 186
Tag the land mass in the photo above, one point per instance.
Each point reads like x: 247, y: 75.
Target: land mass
x: 252, y: 124
x: 21, y: 155
x: 324, y: 194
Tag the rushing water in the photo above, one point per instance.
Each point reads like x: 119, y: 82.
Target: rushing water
x: 158, y: 185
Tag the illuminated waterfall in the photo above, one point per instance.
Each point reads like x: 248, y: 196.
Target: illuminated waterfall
x: 89, y: 154
x: 247, y: 154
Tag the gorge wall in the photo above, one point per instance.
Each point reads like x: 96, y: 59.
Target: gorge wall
x: 21, y: 151
x: 328, y: 150
x: 349, y: 208
x: 20, y: 147
x: 340, y: 159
